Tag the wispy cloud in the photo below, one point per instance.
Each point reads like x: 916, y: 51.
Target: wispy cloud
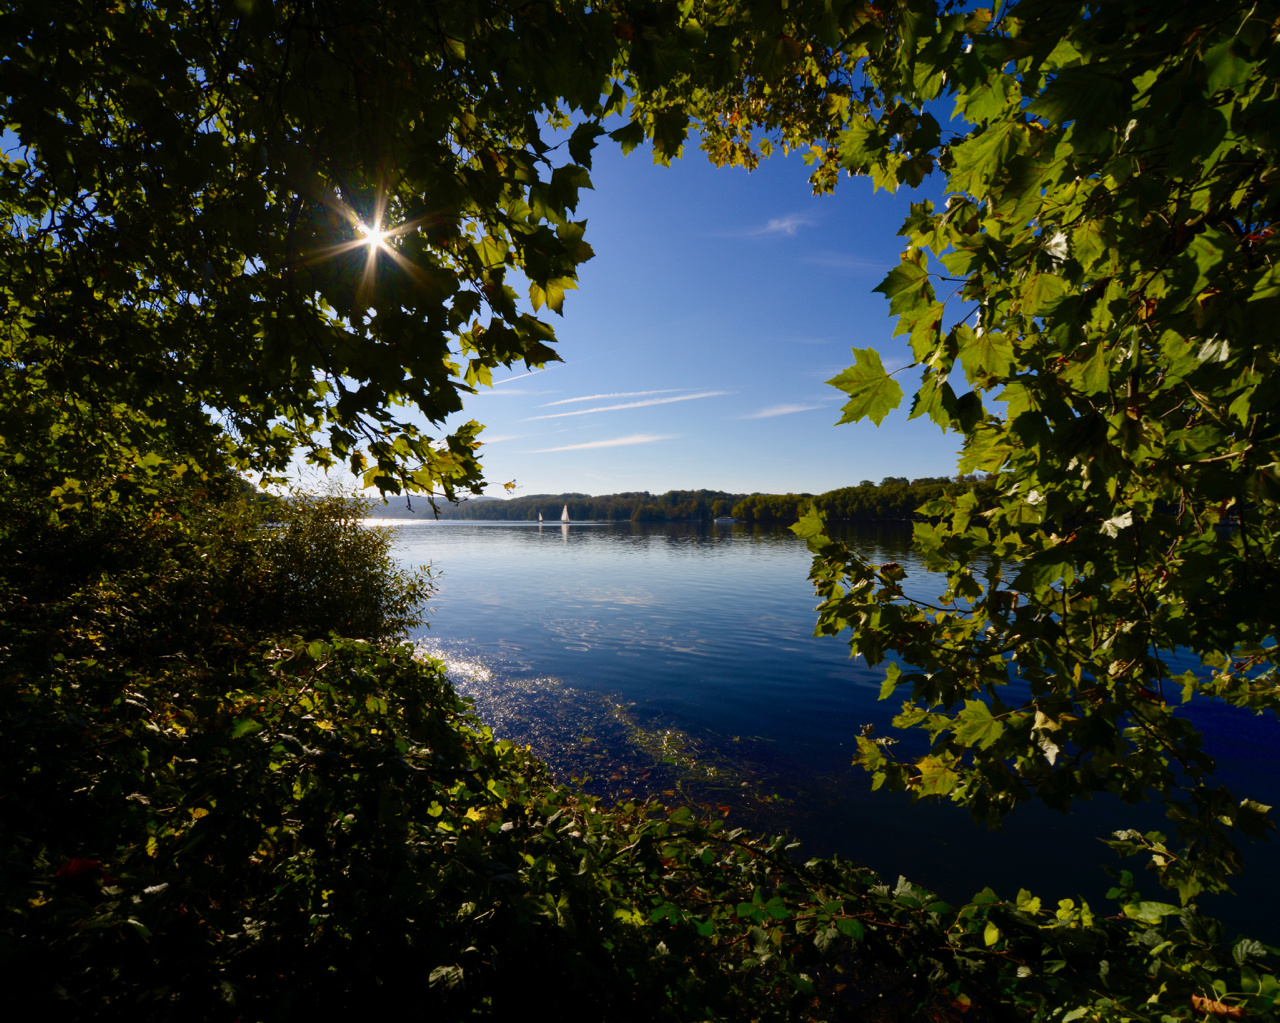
x: 629, y: 404
x: 521, y: 376
x: 616, y: 442
x: 787, y: 225
x: 618, y: 394
x: 500, y: 438
x: 779, y: 410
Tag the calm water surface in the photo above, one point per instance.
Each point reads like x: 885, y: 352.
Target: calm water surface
x: 706, y: 631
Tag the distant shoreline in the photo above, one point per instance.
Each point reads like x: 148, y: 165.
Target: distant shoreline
x: 893, y: 499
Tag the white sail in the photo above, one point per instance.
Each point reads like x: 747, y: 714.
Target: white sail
x: 564, y: 515
x: 539, y: 516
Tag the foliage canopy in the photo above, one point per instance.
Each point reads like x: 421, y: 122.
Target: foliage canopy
x: 240, y: 230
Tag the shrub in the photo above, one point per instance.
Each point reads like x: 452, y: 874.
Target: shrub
x: 196, y: 567
x: 331, y: 572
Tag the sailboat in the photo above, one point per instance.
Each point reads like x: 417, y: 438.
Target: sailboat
x: 564, y: 515
x: 539, y: 516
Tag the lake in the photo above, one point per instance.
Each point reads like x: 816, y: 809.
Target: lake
x: 677, y: 660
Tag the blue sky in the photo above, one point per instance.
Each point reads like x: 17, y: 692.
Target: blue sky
x: 696, y: 348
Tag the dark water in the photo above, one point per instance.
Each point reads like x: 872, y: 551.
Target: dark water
x: 671, y: 656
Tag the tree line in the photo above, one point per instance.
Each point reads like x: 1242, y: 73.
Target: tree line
x: 894, y: 498
x: 635, y: 506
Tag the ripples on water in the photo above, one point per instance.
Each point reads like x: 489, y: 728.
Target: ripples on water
x: 612, y: 750
x: 677, y: 660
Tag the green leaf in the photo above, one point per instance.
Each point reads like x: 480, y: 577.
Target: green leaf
x: 1150, y: 912
x: 935, y: 399
x: 141, y: 928
x: 984, y: 353
x: 812, y: 523
x: 1094, y: 100
x: 1028, y: 903
x: 1225, y: 69
x: 583, y: 141
x: 552, y: 295
x: 245, y: 726
x: 1246, y: 949
x: 861, y: 146
x: 890, y: 683
x: 1041, y: 293
x: 872, y: 392
x: 628, y: 136
x: 1253, y: 818
x: 981, y: 158
x: 1088, y: 242
x: 925, y: 331
x: 670, y: 128
x: 975, y: 725
x: 824, y: 938
x: 987, y: 100
x: 907, y: 287
x: 851, y: 928
x: 937, y: 777
x: 1093, y: 375
x: 870, y: 754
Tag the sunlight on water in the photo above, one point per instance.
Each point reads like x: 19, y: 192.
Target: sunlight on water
x: 461, y: 670
x: 598, y: 739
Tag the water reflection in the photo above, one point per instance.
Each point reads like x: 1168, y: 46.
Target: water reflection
x: 595, y: 643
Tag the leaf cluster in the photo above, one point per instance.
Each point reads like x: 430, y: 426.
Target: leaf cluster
x: 185, y: 200
x: 1092, y: 312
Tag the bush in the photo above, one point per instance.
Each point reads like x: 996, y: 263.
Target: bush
x: 194, y: 568
x: 330, y: 572
x: 325, y: 831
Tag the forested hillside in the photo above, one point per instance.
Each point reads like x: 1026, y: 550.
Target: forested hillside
x: 636, y: 507
x: 895, y: 498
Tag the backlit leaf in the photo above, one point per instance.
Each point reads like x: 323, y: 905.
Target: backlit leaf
x: 937, y: 777
x: 873, y: 394
x: 975, y: 725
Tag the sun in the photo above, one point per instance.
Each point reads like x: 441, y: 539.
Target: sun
x: 374, y: 236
